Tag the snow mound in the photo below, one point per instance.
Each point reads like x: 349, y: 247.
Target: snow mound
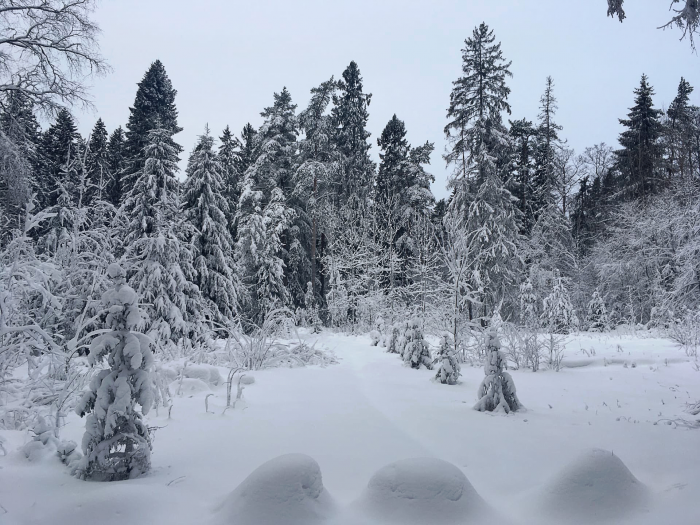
x: 209, y: 374
x: 287, y: 490
x: 420, y: 491
x: 188, y: 387
x: 595, y: 487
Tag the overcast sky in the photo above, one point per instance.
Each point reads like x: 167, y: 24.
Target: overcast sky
x: 226, y: 58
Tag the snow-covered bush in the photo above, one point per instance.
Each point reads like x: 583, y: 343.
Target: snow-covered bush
x: 528, y: 304
x: 598, y: 320
x: 686, y: 332
x: 558, y: 314
x: 43, y: 441
x: 415, y: 349
x: 116, y: 442
x: 497, y: 390
x: 448, y: 368
x: 392, y: 340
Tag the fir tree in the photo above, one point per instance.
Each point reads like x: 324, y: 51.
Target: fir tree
x: 231, y: 178
x: 682, y: 132
x: 162, y: 265
x: 153, y: 107
x: 59, y: 145
x: 598, y: 320
x: 351, y: 137
x: 116, y: 443
x: 524, y: 136
x: 638, y: 159
x: 249, y: 149
x: 547, y: 143
x: 415, y: 350
x: 558, y: 314
x: 205, y: 208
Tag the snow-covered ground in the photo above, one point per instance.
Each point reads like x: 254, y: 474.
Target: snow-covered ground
x: 361, y: 419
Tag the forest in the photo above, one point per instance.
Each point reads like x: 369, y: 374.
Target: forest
x: 110, y: 254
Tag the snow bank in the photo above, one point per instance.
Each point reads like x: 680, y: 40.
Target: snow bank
x: 594, y: 488
x: 420, y: 491
x: 188, y: 387
x: 287, y: 490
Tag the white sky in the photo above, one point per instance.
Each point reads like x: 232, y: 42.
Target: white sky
x: 226, y: 58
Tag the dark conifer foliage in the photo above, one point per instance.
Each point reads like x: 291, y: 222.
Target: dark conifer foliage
x: 350, y: 116
x: 153, y: 107
x: 248, y: 149
x: 639, y: 158
x: 524, y: 136
x: 98, y: 173
x: 59, y: 144
x: 116, y: 151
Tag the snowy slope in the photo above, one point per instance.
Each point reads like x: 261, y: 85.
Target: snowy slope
x: 356, y: 417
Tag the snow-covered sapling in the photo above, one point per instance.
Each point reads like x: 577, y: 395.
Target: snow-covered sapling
x: 558, y: 314
x: 598, y: 320
x: 416, y: 351
x: 497, y: 390
x: 393, y: 340
x: 448, y: 368
x: 116, y: 442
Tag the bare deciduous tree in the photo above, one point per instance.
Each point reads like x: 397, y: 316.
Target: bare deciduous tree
x: 48, y: 50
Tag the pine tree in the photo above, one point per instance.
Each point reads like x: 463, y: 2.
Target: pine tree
x: 162, y: 270
x: 205, y: 208
x: 116, y: 150
x: 638, y: 159
x: 497, y: 390
x: 116, y: 443
x: 351, y: 137
x: 153, y: 107
x: 97, y: 165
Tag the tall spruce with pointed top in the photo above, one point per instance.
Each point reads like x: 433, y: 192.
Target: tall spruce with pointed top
x: 228, y: 154
x: 640, y: 155
x: 681, y: 134
x: 351, y: 137
x: 116, y: 442
x: 545, y: 153
x: 116, y: 159
x: 58, y: 145
x: 481, y: 153
x: 162, y: 271
x: 524, y: 136
x: 97, y: 165
x: 206, y: 208
x: 153, y: 107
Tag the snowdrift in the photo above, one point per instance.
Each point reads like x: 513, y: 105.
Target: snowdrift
x: 287, y: 490
x: 596, y: 487
x: 420, y: 491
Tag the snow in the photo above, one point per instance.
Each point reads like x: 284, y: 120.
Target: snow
x: 287, y: 490
x: 420, y: 490
x: 369, y: 410
x: 597, y: 486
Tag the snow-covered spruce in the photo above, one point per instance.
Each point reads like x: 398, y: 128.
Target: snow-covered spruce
x: 448, y: 368
x: 497, y: 390
x: 392, y: 341
x: 598, y: 320
x: 416, y: 351
x: 116, y: 443
x: 558, y: 314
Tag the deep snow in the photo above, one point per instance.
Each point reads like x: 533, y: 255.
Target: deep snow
x: 369, y: 411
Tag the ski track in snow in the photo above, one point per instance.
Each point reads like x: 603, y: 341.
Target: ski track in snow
x: 369, y: 410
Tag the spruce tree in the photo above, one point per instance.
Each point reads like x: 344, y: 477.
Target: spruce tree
x: 228, y: 156
x: 497, y: 390
x: 116, y: 150
x: 162, y: 271
x: 206, y: 209
x: 351, y: 137
x: 681, y: 134
x: 153, y: 107
x: 545, y: 156
x: 448, y: 371
x: 116, y: 443
x: 59, y: 145
x: 638, y: 159
x: 98, y: 176
x: 249, y: 149
x: 524, y: 136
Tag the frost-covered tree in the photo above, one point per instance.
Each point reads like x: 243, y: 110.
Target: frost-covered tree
x: 598, y: 320
x: 231, y: 178
x: 497, y: 390
x: 205, y: 209
x: 161, y: 263
x: 116, y: 150
x: 558, y: 314
x: 528, y: 305
x: 416, y: 352
x: 98, y: 174
x: 448, y: 371
x: 116, y: 442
